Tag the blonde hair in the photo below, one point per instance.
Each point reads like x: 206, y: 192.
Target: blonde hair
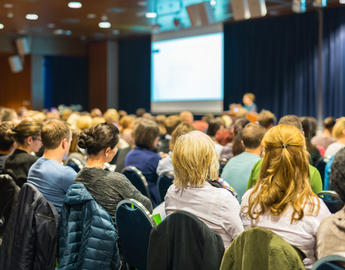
x: 111, y: 116
x: 338, y: 129
x: 84, y: 122
x: 194, y: 160
x: 126, y: 122
x: 251, y: 96
x: 284, y: 177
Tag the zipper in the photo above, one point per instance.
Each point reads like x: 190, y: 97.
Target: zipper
x: 45, y: 216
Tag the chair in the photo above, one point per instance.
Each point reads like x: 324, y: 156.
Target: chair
x: 321, y: 165
x: 261, y: 249
x: 165, y: 180
x: 332, y: 200
x: 182, y: 241
x: 137, y: 179
x: 134, y: 225
x: 329, y: 263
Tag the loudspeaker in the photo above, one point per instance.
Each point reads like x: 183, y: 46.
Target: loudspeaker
x: 257, y: 8
x: 240, y: 9
x: 15, y: 64
x: 200, y: 14
x: 23, y: 47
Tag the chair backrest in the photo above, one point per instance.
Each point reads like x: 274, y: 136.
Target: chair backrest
x: 329, y: 263
x: 320, y: 165
x: 260, y: 249
x: 165, y: 180
x: 134, y: 225
x: 8, y: 197
x: 137, y: 179
x: 332, y: 200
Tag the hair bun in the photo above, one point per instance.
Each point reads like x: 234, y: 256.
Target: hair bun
x: 85, y: 140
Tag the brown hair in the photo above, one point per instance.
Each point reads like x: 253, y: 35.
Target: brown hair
x: 252, y: 135
x: 6, y: 140
x: 291, y: 120
x: 145, y: 133
x: 25, y: 129
x: 266, y: 118
x: 181, y: 129
x: 53, y: 132
x: 171, y: 123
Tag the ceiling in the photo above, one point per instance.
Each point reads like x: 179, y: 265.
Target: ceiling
x: 127, y: 17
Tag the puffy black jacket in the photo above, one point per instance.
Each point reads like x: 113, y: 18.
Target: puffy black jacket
x: 30, y: 237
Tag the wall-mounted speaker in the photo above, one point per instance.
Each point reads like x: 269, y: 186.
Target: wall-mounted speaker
x: 200, y: 14
x: 240, y: 9
x: 23, y: 46
x: 15, y: 63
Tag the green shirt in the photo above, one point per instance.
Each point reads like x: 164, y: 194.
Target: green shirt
x: 315, y: 177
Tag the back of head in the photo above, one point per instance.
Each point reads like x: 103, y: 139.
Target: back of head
x: 194, y: 159
x: 171, y: 123
x: 213, y: 127
x: 328, y: 123
x: 127, y: 121
x: 284, y: 177
x: 96, y: 112
x: 186, y: 117
x: 291, y: 120
x: 181, y: 129
x: 25, y: 129
x: 237, y: 146
x: 111, y: 116
x: 252, y: 135
x: 224, y: 136
x: 7, y: 114
x: 6, y: 140
x: 266, y: 119
x: 140, y: 112
x: 53, y: 132
x: 99, y: 137
x: 339, y: 128
x: 84, y: 122
x: 309, y: 127
x: 145, y: 132
x: 337, y: 178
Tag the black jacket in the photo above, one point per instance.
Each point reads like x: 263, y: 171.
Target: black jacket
x: 30, y: 238
x: 182, y: 241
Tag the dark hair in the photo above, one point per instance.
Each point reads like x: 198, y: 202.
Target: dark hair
x: 25, y: 129
x: 171, y: 123
x: 237, y: 146
x: 145, y: 133
x: 53, y: 132
x: 266, y: 118
x: 337, y: 177
x: 329, y: 123
x: 291, y: 120
x: 6, y: 140
x: 252, y: 135
x: 99, y: 137
x: 213, y: 127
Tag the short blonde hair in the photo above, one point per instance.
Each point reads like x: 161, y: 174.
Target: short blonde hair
x: 338, y: 129
x: 194, y: 160
x: 251, y: 96
x: 84, y: 122
x: 111, y: 116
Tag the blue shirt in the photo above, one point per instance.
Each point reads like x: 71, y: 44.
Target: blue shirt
x: 237, y: 171
x: 52, y: 179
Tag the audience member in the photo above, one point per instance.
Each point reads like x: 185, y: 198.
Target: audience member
x: 237, y: 171
x: 309, y: 128
x: 282, y: 199
x: 186, y: 117
x: 224, y: 137
x: 331, y: 233
x: 140, y: 112
x: 338, y: 133
x: 213, y: 126
x: 27, y: 135
x: 144, y: 156
x: 195, y: 165
x: 84, y: 122
x: 111, y: 116
x: 248, y: 101
x: 170, y: 124
x: 325, y: 139
x: 107, y: 188
x: 96, y: 112
x: 7, y: 143
x: 48, y: 174
x: 75, y: 159
x: 237, y: 146
x: 8, y: 115
x: 266, y: 119
x: 126, y: 129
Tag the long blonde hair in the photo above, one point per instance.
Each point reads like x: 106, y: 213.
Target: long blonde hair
x: 284, y: 177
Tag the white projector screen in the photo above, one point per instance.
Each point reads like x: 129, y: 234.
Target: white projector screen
x: 187, y: 72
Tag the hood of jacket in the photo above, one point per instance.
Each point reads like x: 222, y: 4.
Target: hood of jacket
x: 76, y: 194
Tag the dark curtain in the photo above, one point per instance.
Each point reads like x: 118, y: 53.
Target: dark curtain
x: 276, y: 59
x: 65, y: 81
x: 333, y: 50
x: 134, y: 73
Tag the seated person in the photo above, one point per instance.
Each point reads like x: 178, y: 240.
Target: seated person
x: 75, y: 158
x: 144, y: 156
x: 7, y: 144
x: 309, y: 128
x: 267, y: 119
x: 165, y: 164
x: 315, y: 177
x: 331, y: 233
x: 27, y: 135
x: 48, y: 174
x: 325, y: 138
x: 106, y: 187
x: 338, y: 133
x: 196, y: 165
x: 236, y: 172
x: 170, y: 123
x: 282, y: 199
x: 248, y: 101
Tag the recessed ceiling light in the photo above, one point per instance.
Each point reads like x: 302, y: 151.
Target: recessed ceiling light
x: 8, y: 5
x: 2, y: 26
x: 58, y: 32
x: 91, y: 16
x: 74, y: 5
x: 31, y: 17
x: 104, y: 24
x: 151, y: 15
x: 51, y: 25
x: 10, y: 15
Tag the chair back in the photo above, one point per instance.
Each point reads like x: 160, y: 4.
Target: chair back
x: 137, y: 179
x: 165, y: 180
x: 134, y: 225
x: 329, y: 263
x: 332, y: 200
x: 320, y: 165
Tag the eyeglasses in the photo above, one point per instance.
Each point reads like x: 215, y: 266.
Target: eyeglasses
x: 37, y: 139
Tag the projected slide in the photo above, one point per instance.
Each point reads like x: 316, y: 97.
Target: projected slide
x: 187, y: 69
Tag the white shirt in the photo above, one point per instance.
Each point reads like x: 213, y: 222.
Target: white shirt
x: 332, y: 149
x: 216, y: 207
x: 301, y: 233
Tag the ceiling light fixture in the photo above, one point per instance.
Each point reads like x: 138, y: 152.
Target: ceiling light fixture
x: 2, y: 26
x: 31, y: 17
x: 51, y: 25
x: 91, y: 16
x: 342, y: 1
x: 74, y: 5
x: 8, y: 5
x: 151, y: 15
x: 104, y: 24
x: 213, y: 2
x: 10, y: 15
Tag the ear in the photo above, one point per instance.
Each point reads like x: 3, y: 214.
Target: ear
x: 64, y: 143
x: 242, y: 143
x: 29, y: 140
x: 106, y: 151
